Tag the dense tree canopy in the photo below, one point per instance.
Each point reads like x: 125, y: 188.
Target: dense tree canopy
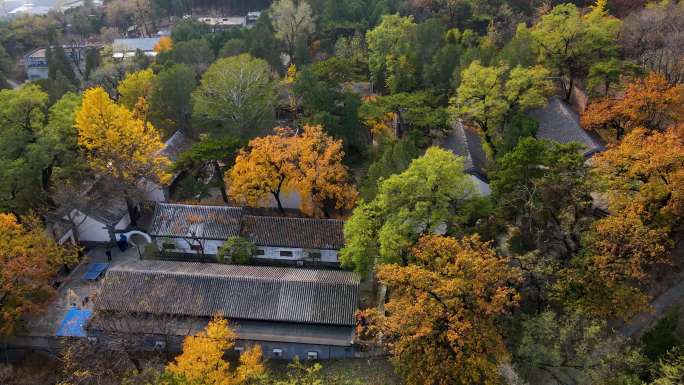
x: 441, y: 319
x: 117, y: 143
x: 293, y: 23
x: 431, y: 195
x: 309, y: 163
x: 570, y: 42
x: 202, y: 362
x: 492, y: 97
x: 651, y: 103
x: 35, y: 146
x: 543, y: 188
x: 237, y: 94
x: 29, y: 258
x: 388, y: 53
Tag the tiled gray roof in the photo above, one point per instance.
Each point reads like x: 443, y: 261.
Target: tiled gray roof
x: 175, y: 145
x: 198, y: 221
x: 467, y: 143
x: 558, y: 122
x: 304, y: 233
x: 109, y: 211
x: 237, y: 292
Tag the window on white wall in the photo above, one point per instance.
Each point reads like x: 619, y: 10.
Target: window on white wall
x: 285, y: 253
x: 315, y: 255
x: 260, y: 252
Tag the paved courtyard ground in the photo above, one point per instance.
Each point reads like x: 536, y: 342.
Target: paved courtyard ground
x: 75, y: 291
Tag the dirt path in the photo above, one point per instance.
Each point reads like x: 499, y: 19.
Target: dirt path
x: 637, y: 325
x: 660, y: 305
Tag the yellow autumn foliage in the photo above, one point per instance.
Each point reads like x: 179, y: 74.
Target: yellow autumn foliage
x: 309, y: 163
x: 165, y: 43
x: 117, y: 143
x: 135, y: 86
x: 202, y: 359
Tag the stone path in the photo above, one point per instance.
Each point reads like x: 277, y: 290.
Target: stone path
x: 660, y: 305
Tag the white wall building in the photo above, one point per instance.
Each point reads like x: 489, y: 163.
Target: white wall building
x: 199, y: 231
x: 126, y: 48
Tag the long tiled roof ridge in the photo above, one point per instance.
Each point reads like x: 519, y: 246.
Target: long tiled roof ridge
x: 261, y: 293
x: 222, y: 222
x: 310, y: 233
x: 213, y: 222
x: 274, y: 273
x: 302, y: 219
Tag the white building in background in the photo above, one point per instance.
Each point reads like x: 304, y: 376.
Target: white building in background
x: 224, y: 23
x: 126, y: 48
x: 36, y: 62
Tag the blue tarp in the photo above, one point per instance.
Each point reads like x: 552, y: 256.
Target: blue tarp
x: 94, y: 271
x: 73, y: 323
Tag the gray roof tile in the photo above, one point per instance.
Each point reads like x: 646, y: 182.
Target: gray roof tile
x: 263, y: 293
x: 304, y: 233
x: 558, y: 122
x: 198, y: 221
x: 175, y: 145
x: 467, y: 143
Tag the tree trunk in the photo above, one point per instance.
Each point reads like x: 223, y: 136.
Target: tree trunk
x: 490, y: 142
x: 132, y: 212
x: 219, y: 179
x: 280, y: 205
x: 568, y: 92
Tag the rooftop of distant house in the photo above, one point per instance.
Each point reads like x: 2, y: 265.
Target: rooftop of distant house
x: 227, y: 21
x: 176, y: 145
x: 128, y: 47
x: 467, y: 143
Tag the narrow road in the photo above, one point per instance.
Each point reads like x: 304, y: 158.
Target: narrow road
x: 659, y: 306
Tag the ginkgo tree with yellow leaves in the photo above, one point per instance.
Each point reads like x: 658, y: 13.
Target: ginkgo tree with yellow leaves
x: 309, y: 163
x: 118, y: 145
x: 202, y: 362
x: 135, y: 90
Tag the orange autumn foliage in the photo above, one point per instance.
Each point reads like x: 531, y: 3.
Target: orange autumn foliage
x: 646, y: 169
x: 165, y: 43
x: 201, y: 361
x: 320, y: 176
x: 643, y: 177
x: 622, y: 250
x: 441, y: 322
x: 264, y: 168
x: 309, y: 163
x: 651, y: 102
x: 28, y: 260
